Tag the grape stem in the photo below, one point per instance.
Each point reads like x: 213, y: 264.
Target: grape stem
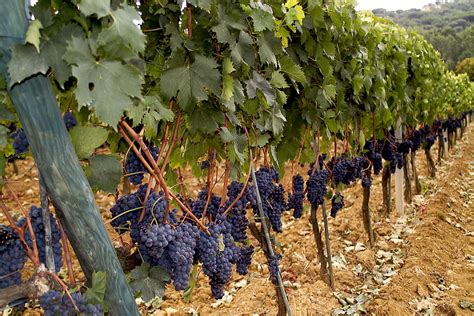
x: 243, y: 188
x: 67, y: 253
x: 155, y: 172
x: 181, y: 187
x: 172, y: 143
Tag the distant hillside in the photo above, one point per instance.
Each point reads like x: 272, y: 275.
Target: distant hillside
x: 449, y: 27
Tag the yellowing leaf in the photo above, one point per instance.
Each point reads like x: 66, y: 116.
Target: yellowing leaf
x: 33, y: 34
x: 291, y: 3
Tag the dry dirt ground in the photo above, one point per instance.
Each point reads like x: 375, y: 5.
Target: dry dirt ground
x: 422, y: 263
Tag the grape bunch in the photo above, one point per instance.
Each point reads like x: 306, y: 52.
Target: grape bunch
x: 127, y: 210
x: 134, y: 167
x: 245, y: 258
x: 416, y: 140
x: 272, y: 196
x: 199, y: 205
x: 429, y: 142
x: 389, y: 150
x: 69, y: 120
x: 217, y: 252
x: 55, y: 303
x: 295, y: 199
x: 20, y: 142
x: 12, y: 257
x: 377, y: 163
x: 366, y: 181
x: 237, y: 216
x: 181, y: 251
x: 273, y: 262
x: 341, y: 171
x: 397, y: 162
x: 37, y: 224
x: 337, y: 203
x: 404, y: 147
x: 317, y: 187
x: 372, y: 153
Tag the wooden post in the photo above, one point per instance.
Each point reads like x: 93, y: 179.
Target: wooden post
x: 399, y: 205
x: 64, y: 179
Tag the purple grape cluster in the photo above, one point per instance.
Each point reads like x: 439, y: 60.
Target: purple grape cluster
x: 404, y: 147
x: 181, y: 250
x: 272, y: 196
x: 429, y: 142
x: 245, y: 258
x: 20, y: 142
x: 127, y: 210
x: 217, y: 252
x: 69, y: 120
x: 55, y: 303
x: 317, y: 187
x: 416, y: 139
x: 237, y: 216
x: 134, y: 167
x: 273, y: 262
x: 199, y: 205
x: 37, y: 224
x: 12, y: 257
x: 337, y: 203
x: 296, y: 198
x: 366, y: 181
x: 341, y: 171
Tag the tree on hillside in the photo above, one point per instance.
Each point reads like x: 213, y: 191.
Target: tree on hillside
x: 466, y: 66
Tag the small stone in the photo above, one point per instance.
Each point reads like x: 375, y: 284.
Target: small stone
x: 421, y: 291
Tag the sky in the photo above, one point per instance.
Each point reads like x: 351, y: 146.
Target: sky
x: 392, y: 4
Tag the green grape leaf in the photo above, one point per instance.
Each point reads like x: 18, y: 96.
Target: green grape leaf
x: 324, y: 65
x: 148, y: 282
x: 86, y: 139
x: 268, y: 46
x: 24, y: 63
x: 190, y: 82
x: 329, y: 48
x: 124, y: 30
x: 104, y: 172
x: 100, y: 8
x: 203, y: 4
x: 96, y: 294
x: 206, y: 120
x: 258, y: 82
x: 330, y: 91
x: 262, y: 20
x: 242, y: 50
x: 357, y: 83
x: 6, y: 114
x: 278, y: 80
x: 3, y: 136
x: 105, y: 85
x: 293, y: 70
x: 227, y: 80
x: 222, y: 33
x: 33, y: 34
